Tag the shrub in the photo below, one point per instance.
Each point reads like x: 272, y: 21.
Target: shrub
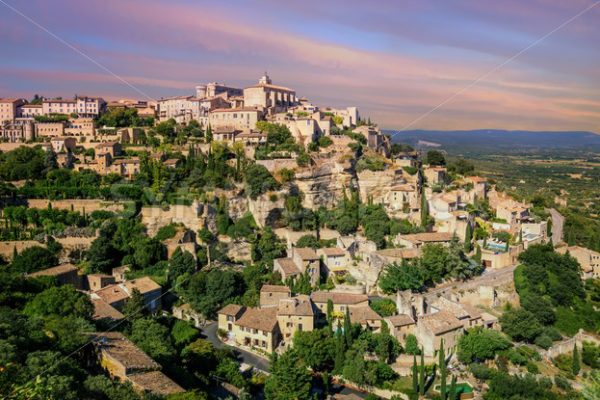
x: 481, y: 372
x: 532, y: 368
x: 562, y: 383
x: 544, y: 341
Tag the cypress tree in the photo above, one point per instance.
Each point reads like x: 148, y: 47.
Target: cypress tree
x: 576, y: 361
x: 478, y: 254
x: 330, y: 313
x: 442, y: 364
x: 415, y: 378
x: 468, y: 238
x: 452, y: 391
x: 348, y: 329
x: 424, y: 209
x: 422, y: 375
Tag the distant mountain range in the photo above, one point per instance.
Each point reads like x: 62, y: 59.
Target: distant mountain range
x: 494, y: 140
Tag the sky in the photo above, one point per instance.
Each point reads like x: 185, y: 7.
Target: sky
x: 397, y: 61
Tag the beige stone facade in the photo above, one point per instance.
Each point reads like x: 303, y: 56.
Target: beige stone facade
x: 9, y: 109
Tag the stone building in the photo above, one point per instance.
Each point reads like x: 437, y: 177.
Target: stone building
x: 9, y: 109
x: 268, y: 96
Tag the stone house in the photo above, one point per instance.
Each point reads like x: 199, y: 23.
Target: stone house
x: 435, y: 175
x: 341, y: 301
x: 117, y: 294
x: 228, y: 316
x: 334, y: 259
x: 300, y: 260
x: 588, y: 259
x: 185, y: 312
x: 64, y: 274
x: 112, y: 148
x: 432, y: 328
x: 123, y: 360
x: 258, y: 328
x: 400, y: 326
x: 417, y: 240
x: 366, y: 317
x: 295, y: 314
x: 62, y: 144
x: 271, y: 294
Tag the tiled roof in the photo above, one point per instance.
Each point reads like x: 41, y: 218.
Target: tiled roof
x: 124, y: 351
x: 275, y: 288
x: 103, y: 310
x: 155, y: 382
x: 288, y: 266
x: 231, y: 309
x: 54, y: 271
x: 338, y: 297
x: 459, y: 310
x: 270, y: 86
x: 363, y: 314
x: 143, y: 284
x: 333, y: 252
x: 299, y: 305
x: 400, y: 320
x: 111, y: 294
x: 428, y: 237
x: 441, y: 322
x: 264, y: 319
x: 399, y: 253
x: 306, y: 253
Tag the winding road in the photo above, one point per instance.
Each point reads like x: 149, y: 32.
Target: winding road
x: 210, y: 331
x: 558, y: 222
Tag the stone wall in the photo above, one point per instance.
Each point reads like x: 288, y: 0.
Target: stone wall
x: 265, y: 211
x: 566, y: 346
x: 7, y: 248
x: 80, y: 205
x: 277, y: 164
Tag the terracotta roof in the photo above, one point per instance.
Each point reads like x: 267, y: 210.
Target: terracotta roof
x: 338, y: 297
x: 264, y: 319
x: 143, y: 284
x: 124, y: 351
x: 299, y: 305
x: 231, y: 309
x: 111, y: 294
x: 363, y: 314
x: 155, y: 382
x: 441, y: 322
x: 333, y: 252
x: 428, y: 237
x: 106, y: 144
x: 275, y: 288
x: 400, y: 320
x: 31, y: 106
x: 399, y: 253
x: 306, y: 253
x: 54, y: 271
x: 458, y: 310
x: 288, y: 266
x: 104, y: 310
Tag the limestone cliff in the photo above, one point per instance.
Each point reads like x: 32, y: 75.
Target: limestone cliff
x: 323, y: 184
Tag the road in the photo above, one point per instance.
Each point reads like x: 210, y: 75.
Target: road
x: 558, y: 222
x: 210, y: 331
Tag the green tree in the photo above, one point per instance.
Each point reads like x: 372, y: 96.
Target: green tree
x: 411, y: 346
x: 576, y: 361
x: 63, y: 301
x: 479, y: 344
x: 435, y: 158
x: 102, y: 255
x: 33, y: 259
x: 520, y: 325
x: 182, y: 262
x: 384, y: 307
x: 468, y: 238
x: 316, y: 349
x: 153, y: 338
x: 399, y: 277
x: 289, y: 379
x: 135, y: 306
x: 259, y: 180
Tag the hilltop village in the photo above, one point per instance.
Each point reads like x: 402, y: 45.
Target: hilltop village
x: 249, y: 242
